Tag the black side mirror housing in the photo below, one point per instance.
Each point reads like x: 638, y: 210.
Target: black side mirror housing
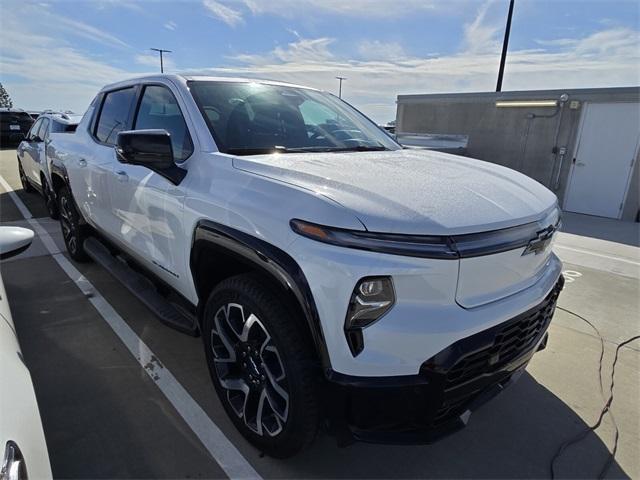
x: 151, y: 149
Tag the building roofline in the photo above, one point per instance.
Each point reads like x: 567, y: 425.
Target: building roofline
x: 521, y: 94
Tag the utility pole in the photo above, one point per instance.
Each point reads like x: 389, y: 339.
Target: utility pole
x: 340, y: 88
x: 161, y: 51
x: 505, y: 45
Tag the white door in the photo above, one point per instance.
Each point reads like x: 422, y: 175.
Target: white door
x: 607, y: 146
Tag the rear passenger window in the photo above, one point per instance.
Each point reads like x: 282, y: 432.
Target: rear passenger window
x: 114, y: 115
x: 159, y: 110
x: 34, y: 130
x: 43, y: 132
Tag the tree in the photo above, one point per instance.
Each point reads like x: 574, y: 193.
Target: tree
x: 5, y: 99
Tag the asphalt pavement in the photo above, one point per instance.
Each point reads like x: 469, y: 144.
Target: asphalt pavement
x: 123, y: 396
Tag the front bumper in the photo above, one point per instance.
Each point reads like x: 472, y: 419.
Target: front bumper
x: 451, y: 384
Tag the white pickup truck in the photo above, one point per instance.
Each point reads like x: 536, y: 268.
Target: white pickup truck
x: 332, y: 274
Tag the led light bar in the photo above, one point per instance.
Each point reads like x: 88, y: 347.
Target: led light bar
x: 526, y: 103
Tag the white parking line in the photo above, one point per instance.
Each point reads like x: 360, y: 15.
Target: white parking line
x: 601, y: 255
x: 213, y: 439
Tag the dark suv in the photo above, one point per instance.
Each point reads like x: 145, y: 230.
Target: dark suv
x: 14, y: 125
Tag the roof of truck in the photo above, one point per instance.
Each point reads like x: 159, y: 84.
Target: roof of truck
x: 180, y: 78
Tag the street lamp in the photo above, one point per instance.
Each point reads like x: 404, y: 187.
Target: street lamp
x: 505, y: 45
x: 340, y: 88
x: 161, y: 51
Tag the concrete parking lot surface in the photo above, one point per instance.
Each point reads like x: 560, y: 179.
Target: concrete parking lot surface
x: 108, y: 414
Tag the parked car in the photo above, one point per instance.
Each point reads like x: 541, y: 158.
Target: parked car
x: 34, y: 150
x: 22, y: 441
x: 331, y: 273
x: 14, y: 124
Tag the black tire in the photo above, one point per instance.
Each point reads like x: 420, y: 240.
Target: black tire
x: 50, y: 200
x: 282, y: 363
x: 26, y: 186
x: 73, y: 232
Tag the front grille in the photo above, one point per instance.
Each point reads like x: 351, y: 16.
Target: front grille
x: 511, y: 340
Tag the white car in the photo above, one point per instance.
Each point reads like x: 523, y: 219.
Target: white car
x: 34, y: 151
x: 22, y: 442
x: 331, y: 273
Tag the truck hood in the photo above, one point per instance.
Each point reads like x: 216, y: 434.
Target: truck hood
x: 412, y: 191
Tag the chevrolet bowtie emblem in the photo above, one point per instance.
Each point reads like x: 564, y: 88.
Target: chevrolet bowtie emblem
x: 539, y: 243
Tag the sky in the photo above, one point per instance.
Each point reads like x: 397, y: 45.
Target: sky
x: 58, y: 54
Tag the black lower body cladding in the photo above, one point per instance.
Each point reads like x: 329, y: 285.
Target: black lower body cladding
x: 420, y: 409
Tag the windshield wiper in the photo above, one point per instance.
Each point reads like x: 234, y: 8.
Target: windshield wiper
x: 360, y: 148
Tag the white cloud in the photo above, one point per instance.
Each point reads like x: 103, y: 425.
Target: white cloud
x: 377, y: 50
x: 50, y: 73
x: 43, y: 19
x: 128, y: 4
x: 153, y: 60
x: 84, y: 30
x: 480, y: 36
x: 358, y: 8
x: 170, y: 25
x: 222, y: 12
x: 606, y: 58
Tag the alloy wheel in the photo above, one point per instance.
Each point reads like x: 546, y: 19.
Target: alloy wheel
x: 49, y: 199
x: 66, y: 221
x: 250, y: 370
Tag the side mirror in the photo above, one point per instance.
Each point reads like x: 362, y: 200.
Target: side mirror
x: 14, y: 240
x: 151, y: 149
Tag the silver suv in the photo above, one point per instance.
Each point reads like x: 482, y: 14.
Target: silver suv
x: 35, y: 149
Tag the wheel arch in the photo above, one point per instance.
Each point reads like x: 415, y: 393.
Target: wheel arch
x: 234, y: 252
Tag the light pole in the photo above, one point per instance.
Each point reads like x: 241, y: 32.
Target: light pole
x: 161, y: 51
x: 505, y: 44
x: 340, y: 87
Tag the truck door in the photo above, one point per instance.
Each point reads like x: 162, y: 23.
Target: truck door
x: 94, y: 170
x: 148, y: 208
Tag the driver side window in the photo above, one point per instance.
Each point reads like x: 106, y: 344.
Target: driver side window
x: 159, y: 110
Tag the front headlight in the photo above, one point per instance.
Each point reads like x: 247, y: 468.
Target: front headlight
x: 372, y: 297
x: 13, y: 466
x: 420, y: 246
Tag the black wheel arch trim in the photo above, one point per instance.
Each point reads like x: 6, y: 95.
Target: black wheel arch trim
x: 269, y: 259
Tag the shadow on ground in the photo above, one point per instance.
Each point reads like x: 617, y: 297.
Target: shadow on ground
x: 33, y: 201
x: 515, y: 436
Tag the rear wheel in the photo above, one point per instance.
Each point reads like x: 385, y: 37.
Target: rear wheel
x: 261, y: 366
x: 73, y: 233
x: 26, y: 186
x: 50, y: 199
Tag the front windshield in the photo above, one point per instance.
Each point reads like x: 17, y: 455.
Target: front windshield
x: 253, y: 118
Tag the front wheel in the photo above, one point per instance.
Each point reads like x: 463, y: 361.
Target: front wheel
x: 50, y: 199
x: 73, y: 233
x: 261, y: 365
x: 26, y: 186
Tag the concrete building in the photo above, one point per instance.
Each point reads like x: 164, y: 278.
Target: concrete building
x: 582, y: 144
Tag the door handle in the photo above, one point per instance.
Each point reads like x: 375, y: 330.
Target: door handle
x: 82, y: 162
x: 580, y: 164
x: 122, y: 176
